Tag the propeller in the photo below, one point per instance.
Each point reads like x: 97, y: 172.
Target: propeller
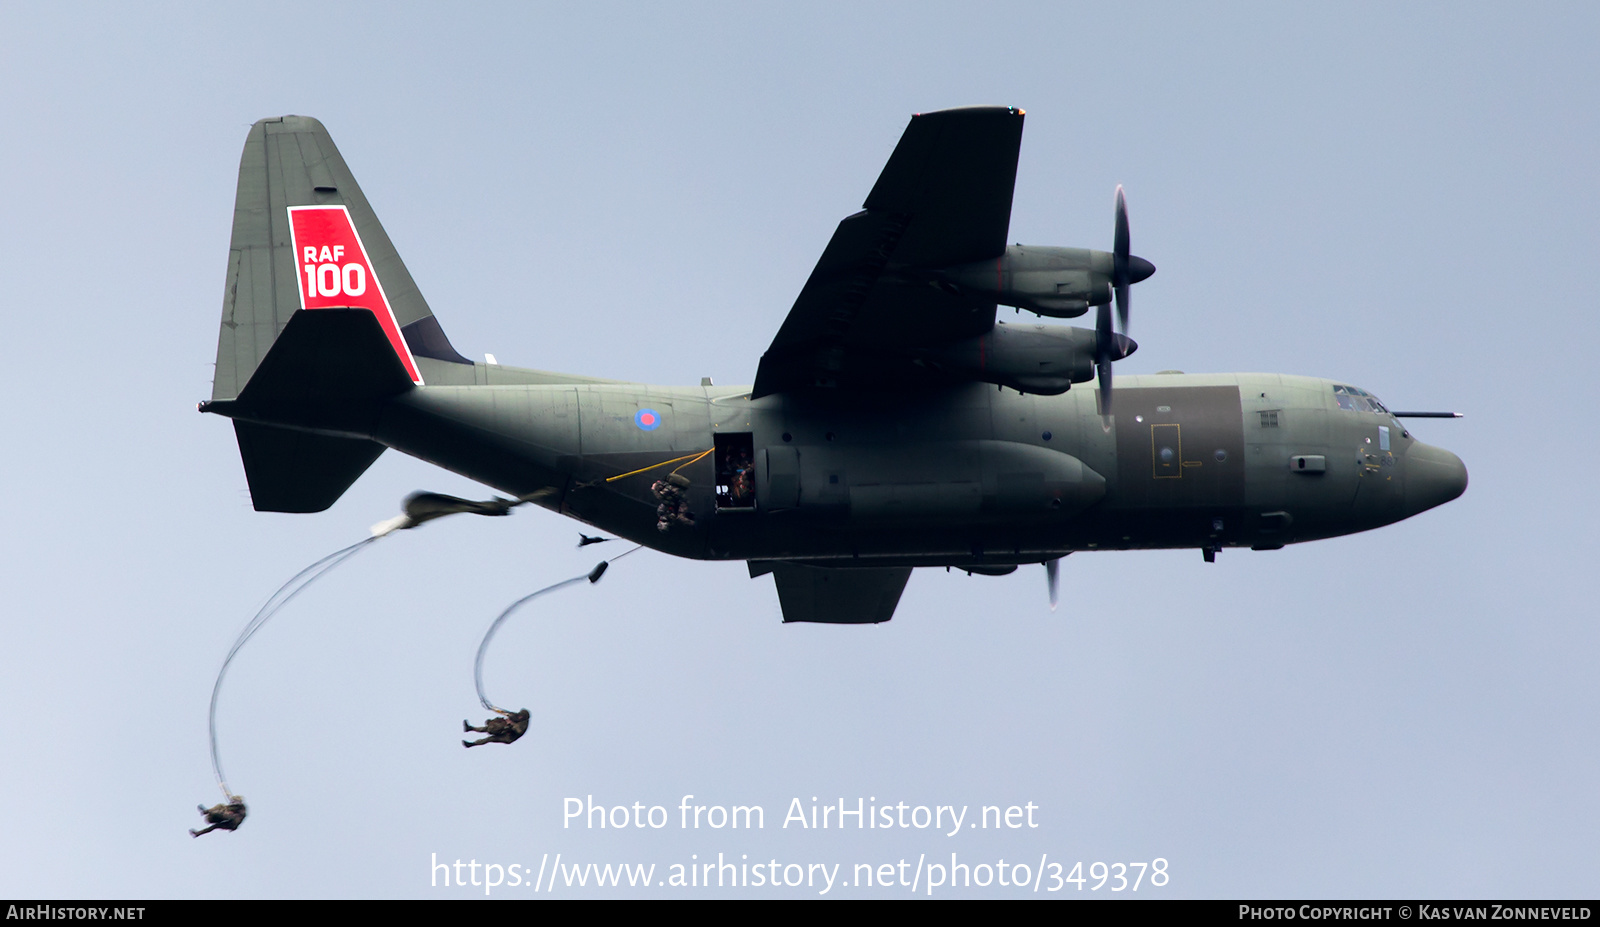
x: 1104, y: 341
x: 1052, y: 576
x: 1126, y: 269
x: 1119, y: 261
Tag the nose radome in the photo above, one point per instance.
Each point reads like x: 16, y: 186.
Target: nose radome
x: 1434, y: 476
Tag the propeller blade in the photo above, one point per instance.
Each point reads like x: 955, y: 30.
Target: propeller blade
x: 1052, y: 573
x: 1119, y: 262
x: 1104, y: 370
x: 1105, y: 351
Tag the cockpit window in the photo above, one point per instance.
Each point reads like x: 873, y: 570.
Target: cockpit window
x: 1355, y: 399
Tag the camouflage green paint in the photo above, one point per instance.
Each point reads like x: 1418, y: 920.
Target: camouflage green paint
x: 877, y: 436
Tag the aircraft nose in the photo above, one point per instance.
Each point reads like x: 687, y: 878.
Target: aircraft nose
x: 1434, y: 476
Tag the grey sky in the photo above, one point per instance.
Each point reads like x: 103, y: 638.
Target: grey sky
x: 1400, y: 196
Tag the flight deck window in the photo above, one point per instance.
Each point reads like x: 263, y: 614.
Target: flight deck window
x: 736, y: 472
x: 1354, y: 399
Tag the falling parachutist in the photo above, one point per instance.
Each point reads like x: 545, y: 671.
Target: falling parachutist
x: 593, y: 576
x: 419, y: 507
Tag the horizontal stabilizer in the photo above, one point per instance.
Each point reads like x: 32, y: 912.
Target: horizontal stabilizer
x: 298, y: 471
x: 837, y: 595
x: 330, y: 367
x: 328, y: 355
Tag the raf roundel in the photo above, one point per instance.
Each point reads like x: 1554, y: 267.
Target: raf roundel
x: 647, y: 419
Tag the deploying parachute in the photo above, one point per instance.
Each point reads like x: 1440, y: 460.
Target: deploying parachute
x: 418, y: 508
x: 497, y: 727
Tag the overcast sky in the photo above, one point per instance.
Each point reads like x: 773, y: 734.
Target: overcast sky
x: 1403, y: 197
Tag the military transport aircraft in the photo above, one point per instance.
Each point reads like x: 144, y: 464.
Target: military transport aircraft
x: 894, y: 423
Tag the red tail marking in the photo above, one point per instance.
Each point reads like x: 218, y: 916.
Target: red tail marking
x: 333, y: 270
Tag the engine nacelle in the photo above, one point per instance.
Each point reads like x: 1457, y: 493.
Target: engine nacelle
x: 1029, y: 358
x: 1058, y: 282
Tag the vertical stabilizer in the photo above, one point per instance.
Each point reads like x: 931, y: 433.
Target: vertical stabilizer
x: 304, y: 237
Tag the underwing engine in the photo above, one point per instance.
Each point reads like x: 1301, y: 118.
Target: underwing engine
x: 1058, y: 282
x: 1029, y: 358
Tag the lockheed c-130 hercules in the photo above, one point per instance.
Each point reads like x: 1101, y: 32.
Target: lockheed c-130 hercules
x: 894, y: 423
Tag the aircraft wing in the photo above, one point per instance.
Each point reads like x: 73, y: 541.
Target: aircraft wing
x: 835, y: 595
x: 943, y: 199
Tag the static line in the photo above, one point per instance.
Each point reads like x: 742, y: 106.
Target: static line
x: 277, y: 601
x: 687, y: 458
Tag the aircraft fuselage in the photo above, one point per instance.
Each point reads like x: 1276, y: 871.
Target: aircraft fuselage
x: 894, y: 421
x: 967, y: 475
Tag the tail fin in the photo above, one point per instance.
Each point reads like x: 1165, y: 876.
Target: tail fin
x: 304, y: 237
